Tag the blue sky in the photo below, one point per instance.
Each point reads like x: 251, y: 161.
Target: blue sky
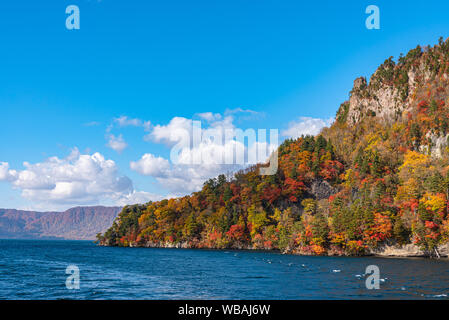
x: 60, y: 90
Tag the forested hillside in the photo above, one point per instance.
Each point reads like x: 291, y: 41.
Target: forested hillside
x: 379, y: 176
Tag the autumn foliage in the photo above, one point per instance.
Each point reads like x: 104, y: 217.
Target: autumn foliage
x: 349, y: 190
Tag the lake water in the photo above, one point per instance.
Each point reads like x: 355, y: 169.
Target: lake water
x: 36, y: 270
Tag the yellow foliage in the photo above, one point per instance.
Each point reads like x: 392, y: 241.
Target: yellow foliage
x: 350, y: 178
x: 414, y: 162
x: 309, y: 206
x: 435, y: 203
x: 372, y: 140
x: 408, y: 191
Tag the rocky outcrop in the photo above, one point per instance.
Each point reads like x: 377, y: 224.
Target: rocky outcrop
x: 437, y: 145
x: 188, y: 245
x: 321, y: 189
x: 384, y: 96
x: 405, y: 251
x: 149, y: 244
x: 383, y: 102
x: 410, y: 250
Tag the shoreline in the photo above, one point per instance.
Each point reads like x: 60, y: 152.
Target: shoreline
x: 407, y: 251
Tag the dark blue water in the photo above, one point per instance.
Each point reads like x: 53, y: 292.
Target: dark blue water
x: 36, y: 270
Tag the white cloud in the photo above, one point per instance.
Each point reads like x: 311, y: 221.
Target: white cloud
x: 124, y: 121
x: 150, y: 165
x: 306, y: 126
x: 245, y: 114
x: 117, y: 144
x: 5, y: 173
x: 140, y: 197
x: 79, y: 179
x: 179, y: 129
x: 176, y: 130
x: 179, y: 179
x: 193, y: 164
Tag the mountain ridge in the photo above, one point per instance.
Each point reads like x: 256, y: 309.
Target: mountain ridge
x: 77, y: 223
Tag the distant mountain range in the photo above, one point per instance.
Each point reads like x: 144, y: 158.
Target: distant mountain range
x: 80, y: 223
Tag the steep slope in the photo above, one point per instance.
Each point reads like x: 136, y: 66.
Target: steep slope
x: 80, y: 223
x: 376, y: 181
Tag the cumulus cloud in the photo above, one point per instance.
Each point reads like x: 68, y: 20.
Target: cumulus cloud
x: 180, y: 179
x: 151, y: 165
x: 176, y: 130
x: 5, y: 173
x: 116, y: 143
x: 306, y: 126
x: 79, y: 179
x: 220, y: 148
x: 179, y: 129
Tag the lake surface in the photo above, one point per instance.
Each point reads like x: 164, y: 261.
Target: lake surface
x: 37, y: 270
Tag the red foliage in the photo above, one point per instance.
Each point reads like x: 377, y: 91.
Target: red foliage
x: 331, y: 169
x: 236, y: 233
x: 423, y: 106
x: 271, y: 194
x: 431, y: 225
x: 293, y: 188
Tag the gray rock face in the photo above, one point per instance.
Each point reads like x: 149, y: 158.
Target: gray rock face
x: 409, y: 250
x: 382, y: 99
x: 439, y: 142
x: 321, y: 189
x: 383, y: 102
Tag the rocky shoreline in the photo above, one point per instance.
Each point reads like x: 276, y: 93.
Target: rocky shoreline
x: 405, y: 251
x: 410, y: 250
